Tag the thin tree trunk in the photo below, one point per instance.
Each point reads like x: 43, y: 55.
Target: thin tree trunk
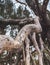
x: 37, y: 49
x: 27, y: 52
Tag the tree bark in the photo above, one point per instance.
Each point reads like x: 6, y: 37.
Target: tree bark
x: 27, y: 52
x: 23, y: 33
x: 37, y: 49
x: 26, y: 30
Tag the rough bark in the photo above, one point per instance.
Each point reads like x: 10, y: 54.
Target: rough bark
x: 6, y: 43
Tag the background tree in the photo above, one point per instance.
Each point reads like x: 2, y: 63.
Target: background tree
x: 6, y: 8
x: 34, y: 34
x: 22, y: 13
